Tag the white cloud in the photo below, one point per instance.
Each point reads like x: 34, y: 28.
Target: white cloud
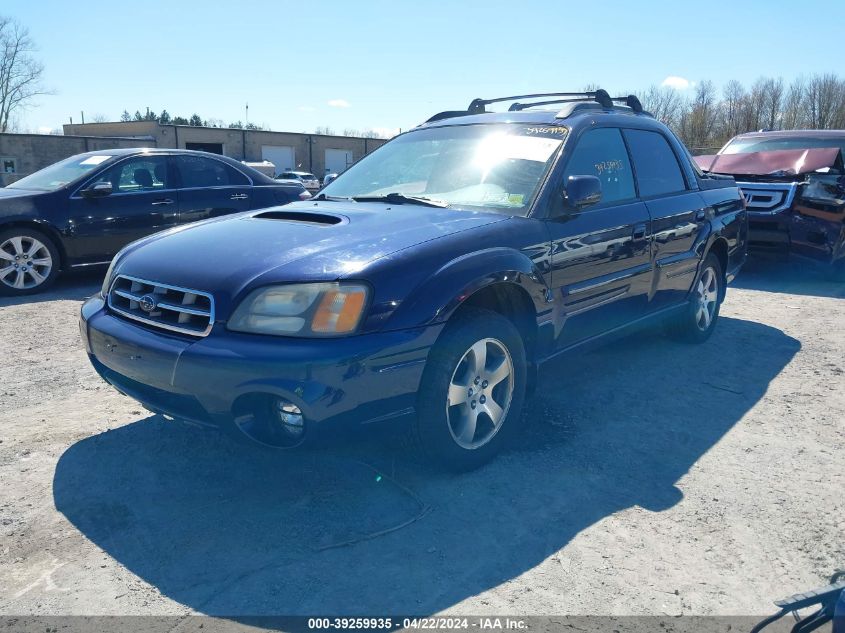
x: 339, y: 103
x: 306, y: 108
x: 678, y: 83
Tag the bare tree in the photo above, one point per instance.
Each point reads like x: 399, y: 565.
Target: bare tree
x: 823, y: 99
x: 752, y: 107
x: 839, y: 116
x: 772, y: 100
x: 664, y: 103
x: 793, y: 105
x: 20, y: 72
x: 697, y: 125
x: 733, y: 102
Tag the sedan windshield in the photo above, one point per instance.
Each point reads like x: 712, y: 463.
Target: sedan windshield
x: 59, y: 174
x: 749, y: 145
x: 493, y: 167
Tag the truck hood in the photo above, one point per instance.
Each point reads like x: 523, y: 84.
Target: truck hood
x: 298, y: 242
x: 783, y: 162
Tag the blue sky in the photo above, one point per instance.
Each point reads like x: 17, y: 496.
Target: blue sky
x: 388, y: 65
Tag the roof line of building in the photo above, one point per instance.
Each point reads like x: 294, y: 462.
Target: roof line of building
x: 83, y: 136
x: 227, y: 129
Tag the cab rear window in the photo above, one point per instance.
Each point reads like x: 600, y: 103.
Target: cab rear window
x: 656, y: 166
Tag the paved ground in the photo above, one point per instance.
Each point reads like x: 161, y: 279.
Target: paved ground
x: 656, y: 479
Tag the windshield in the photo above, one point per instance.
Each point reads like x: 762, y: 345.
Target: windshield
x: 59, y: 174
x: 494, y: 167
x: 748, y: 145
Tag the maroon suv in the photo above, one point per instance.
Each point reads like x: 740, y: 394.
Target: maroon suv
x: 794, y: 185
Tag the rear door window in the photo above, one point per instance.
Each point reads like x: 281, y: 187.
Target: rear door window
x: 198, y: 171
x: 602, y: 153
x: 656, y: 166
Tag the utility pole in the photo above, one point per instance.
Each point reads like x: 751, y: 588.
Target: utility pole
x: 83, y: 117
x: 246, y: 118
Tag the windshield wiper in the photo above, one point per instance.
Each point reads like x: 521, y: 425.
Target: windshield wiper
x: 399, y: 198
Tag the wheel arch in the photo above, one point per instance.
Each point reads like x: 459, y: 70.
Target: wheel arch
x: 514, y: 303
x: 500, y: 279
x: 719, y: 247
x: 46, y: 229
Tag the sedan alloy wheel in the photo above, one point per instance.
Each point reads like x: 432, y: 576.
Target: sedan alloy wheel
x: 25, y: 262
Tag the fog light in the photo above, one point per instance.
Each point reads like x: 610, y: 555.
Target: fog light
x: 290, y: 417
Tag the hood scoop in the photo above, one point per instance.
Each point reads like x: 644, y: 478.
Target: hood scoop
x: 300, y: 217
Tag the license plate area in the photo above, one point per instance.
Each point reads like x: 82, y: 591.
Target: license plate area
x: 150, y: 363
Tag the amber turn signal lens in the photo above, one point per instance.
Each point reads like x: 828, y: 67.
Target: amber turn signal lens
x: 339, y: 311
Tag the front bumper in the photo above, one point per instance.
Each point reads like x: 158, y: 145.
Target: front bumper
x: 335, y: 382
x: 768, y: 232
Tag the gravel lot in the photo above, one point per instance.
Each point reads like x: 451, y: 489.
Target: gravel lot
x: 656, y: 478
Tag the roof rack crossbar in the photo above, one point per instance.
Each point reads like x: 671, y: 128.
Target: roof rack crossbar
x: 518, y: 106
x: 630, y: 100
x: 478, y: 106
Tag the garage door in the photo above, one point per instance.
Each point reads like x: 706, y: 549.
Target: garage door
x: 281, y: 156
x: 337, y: 160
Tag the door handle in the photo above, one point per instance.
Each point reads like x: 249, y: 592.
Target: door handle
x: 163, y: 202
x: 639, y: 231
x: 700, y: 215
x: 238, y: 196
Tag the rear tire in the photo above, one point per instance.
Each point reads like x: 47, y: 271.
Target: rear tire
x: 696, y: 322
x: 29, y: 262
x: 470, y: 400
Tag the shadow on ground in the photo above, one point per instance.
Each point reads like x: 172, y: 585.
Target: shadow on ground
x: 75, y: 285
x: 230, y: 530
x: 792, y: 277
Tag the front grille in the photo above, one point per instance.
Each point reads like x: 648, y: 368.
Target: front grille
x: 768, y: 198
x: 161, y: 305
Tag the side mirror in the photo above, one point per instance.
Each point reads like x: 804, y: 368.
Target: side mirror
x: 98, y: 190
x: 581, y: 191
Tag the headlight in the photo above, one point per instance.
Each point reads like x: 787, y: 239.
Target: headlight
x: 322, y: 309
x: 107, y: 280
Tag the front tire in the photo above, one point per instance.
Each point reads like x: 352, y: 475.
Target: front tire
x: 473, y: 387
x: 29, y: 262
x: 695, y: 324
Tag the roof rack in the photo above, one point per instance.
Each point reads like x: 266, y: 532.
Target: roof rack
x: 598, y: 96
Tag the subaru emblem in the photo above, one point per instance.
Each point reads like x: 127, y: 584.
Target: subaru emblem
x: 147, y: 303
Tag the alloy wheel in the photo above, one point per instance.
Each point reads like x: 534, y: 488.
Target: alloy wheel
x: 707, y: 291
x: 25, y: 262
x: 480, y: 393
